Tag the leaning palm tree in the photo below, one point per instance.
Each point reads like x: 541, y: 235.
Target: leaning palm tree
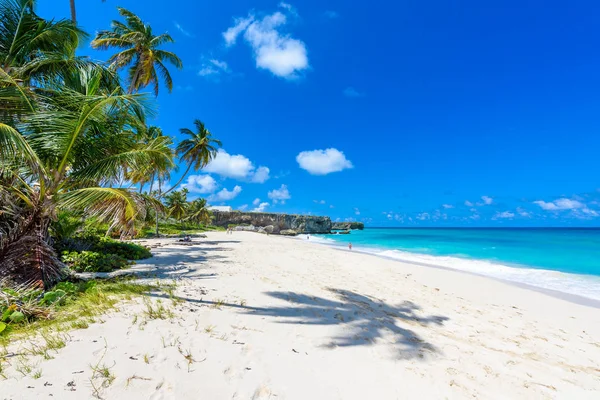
x: 140, y: 52
x: 198, y: 213
x: 64, y: 151
x: 198, y: 150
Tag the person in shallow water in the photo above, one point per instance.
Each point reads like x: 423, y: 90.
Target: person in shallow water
x: 349, y: 246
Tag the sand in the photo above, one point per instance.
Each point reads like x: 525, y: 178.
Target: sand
x: 267, y: 317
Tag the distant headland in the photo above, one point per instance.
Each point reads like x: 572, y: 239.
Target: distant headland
x: 281, y: 224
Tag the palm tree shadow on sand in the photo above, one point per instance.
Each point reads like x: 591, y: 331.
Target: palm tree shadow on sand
x: 364, y: 320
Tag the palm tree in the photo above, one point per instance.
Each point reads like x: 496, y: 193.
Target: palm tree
x: 31, y: 46
x: 177, y: 204
x: 198, y: 150
x: 139, y: 51
x: 63, y: 151
x: 198, y: 213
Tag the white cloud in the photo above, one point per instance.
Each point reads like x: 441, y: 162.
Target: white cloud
x: 331, y: 206
x: 256, y: 201
x: 319, y: 201
x: 423, y: 216
x: 213, y: 68
x: 237, y: 167
x: 180, y: 29
x: 560, y: 204
x: 468, y: 203
x: 475, y: 217
x: 323, y: 162
x: 447, y: 206
x: 504, y: 215
x: 289, y: 8
x: 487, y: 200
x: 274, y: 51
x: 243, y: 207
x: 523, y: 213
x: 261, y: 207
x: 261, y: 175
x: 279, y: 195
x: 356, y: 211
x: 331, y: 14
x: 351, y: 92
x: 201, y: 184
x: 225, y: 195
x: 240, y: 26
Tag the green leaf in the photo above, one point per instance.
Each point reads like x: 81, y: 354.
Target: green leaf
x: 17, y: 317
x: 2, y: 326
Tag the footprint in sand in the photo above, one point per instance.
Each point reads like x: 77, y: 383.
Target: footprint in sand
x: 263, y: 392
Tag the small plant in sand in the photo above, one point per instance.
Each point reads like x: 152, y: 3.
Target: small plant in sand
x: 188, y: 357
x: 209, y: 329
x: 157, y: 310
x: 218, y: 304
x: 131, y: 378
x: 23, y: 366
x: 37, y: 374
x: 146, y: 358
x: 102, y: 377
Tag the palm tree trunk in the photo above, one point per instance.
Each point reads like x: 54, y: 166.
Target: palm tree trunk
x: 73, y: 12
x: 180, y: 179
x: 156, y: 208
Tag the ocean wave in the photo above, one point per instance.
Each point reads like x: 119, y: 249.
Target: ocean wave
x: 587, y: 286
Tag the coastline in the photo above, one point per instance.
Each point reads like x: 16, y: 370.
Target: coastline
x: 263, y: 317
x: 592, y: 299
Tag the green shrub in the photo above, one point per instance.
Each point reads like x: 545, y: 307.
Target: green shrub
x: 93, y: 261
x: 130, y: 251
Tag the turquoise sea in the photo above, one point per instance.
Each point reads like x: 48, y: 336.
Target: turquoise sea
x: 564, y: 260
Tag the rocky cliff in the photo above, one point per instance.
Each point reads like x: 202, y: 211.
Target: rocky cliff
x: 279, y: 222
x: 343, y: 226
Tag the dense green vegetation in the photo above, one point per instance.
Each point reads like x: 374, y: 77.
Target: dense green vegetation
x: 80, y: 164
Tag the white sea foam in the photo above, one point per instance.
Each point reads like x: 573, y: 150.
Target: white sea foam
x: 579, y: 285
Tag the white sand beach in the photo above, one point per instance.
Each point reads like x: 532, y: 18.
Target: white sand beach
x: 268, y: 317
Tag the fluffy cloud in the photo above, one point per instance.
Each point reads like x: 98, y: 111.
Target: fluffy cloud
x: 487, y: 200
x: 201, y: 184
x: 468, y: 203
x: 523, y: 213
x: 256, y: 201
x: 280, y: 195
x: 351, y: 92
x: 261, y: 175
x: 274, y: 51
x: 237, y: 167
x: 319, y: 201
x: 261, y: 207
x: 504, y: 215
x: 560, y: 204
x: 447, y: 206
x: 243, y: 207
x: 213, y: 68
x: 356, y: 211
x: 225, y: 195
x: 323, y: 162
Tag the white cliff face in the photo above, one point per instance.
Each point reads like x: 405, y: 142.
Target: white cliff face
x: 302, y: 224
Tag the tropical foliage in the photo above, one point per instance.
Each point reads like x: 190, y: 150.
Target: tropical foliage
x: 74, y: 142
x: 140, y: 52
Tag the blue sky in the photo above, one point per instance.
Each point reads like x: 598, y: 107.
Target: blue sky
x: 405, y: 113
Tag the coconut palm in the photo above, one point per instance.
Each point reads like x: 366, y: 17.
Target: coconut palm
x: 63, y: 154
x: 140, y: 52
x: 198, y: 213
x: 198, y: 150
x: 177, y: 204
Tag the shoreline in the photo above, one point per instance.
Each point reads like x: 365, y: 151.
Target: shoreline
x: 564, y: 295
x: 256, y: 316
